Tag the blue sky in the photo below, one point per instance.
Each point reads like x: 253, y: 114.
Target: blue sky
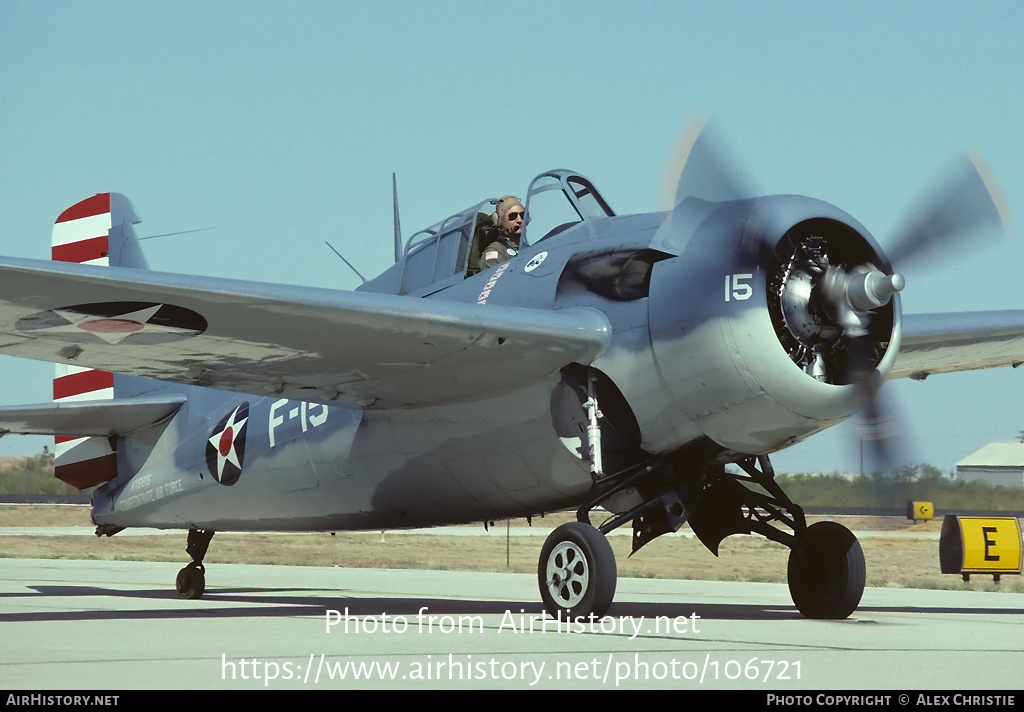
x: 280, y: 124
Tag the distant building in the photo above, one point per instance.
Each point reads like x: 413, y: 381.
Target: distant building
x: 996, y: 463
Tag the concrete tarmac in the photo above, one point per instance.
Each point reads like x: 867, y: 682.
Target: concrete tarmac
x: 116, y: 625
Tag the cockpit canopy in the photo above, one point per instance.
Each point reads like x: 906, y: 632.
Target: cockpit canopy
x: 557, y: 200
x: 447, y: 252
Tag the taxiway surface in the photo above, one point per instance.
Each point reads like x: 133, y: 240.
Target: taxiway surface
x: 119, y: 625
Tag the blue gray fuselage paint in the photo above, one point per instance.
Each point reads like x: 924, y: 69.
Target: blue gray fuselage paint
x: 691, y: 362
x: 316, y: 467
x: 485, y: 459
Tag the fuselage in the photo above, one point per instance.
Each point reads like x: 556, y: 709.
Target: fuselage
x: 693, y: 369
x: 312, y: 466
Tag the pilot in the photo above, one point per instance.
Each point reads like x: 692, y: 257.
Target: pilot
x: 508, y: 218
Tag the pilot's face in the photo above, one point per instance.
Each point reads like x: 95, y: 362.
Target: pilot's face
x: 513, y: 219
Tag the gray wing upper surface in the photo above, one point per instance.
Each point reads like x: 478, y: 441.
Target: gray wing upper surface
x: 348, y: 348
x: 942, y: 343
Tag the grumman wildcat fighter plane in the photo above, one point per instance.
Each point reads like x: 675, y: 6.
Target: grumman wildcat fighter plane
x: 644, y: 364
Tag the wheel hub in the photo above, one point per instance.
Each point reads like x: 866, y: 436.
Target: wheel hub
x: 568, y: 575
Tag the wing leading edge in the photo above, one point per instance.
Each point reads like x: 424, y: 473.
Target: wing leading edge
x: 943, y: 343
x: 348, y: 348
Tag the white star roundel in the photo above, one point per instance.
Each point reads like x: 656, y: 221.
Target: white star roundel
x: 225, y: 450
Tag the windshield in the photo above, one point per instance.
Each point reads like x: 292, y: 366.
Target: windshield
x: 558, y: 200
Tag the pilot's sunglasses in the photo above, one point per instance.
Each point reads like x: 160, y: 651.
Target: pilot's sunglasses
x: 514, y: 215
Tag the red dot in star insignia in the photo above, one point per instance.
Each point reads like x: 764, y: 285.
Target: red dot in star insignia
x: 227, y: 439
x: 111, y: 326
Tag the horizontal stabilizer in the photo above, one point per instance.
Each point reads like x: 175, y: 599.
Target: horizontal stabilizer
x: 90, y: 417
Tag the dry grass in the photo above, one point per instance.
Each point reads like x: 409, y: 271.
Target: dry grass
x: 44, y: 515
x: 891, y: 561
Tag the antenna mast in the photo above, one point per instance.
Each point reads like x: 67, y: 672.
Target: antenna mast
x: 350, y: 265
x: 398, y: 224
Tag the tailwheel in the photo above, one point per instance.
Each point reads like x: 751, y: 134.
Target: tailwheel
x: 826, y: 571
x: 191, y: 581
x: 576, y: 572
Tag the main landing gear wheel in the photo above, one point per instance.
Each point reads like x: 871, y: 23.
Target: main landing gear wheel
x: 576, y: 572
x: 826, y: 571
x: 191, y: 581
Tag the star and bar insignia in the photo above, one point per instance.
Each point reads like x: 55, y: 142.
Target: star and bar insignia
x: 225, y: 450
x: 116, y: 323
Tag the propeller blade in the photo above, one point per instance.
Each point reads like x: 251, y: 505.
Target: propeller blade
x: 966, y: 205
x: 886, y: 445
x: 883, y: 440
x: 700, y: 167
x: 964, y: 208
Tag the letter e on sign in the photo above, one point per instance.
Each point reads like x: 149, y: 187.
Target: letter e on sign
x: 991, y: 544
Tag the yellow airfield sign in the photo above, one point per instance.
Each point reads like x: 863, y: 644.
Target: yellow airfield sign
x: 980, y: 545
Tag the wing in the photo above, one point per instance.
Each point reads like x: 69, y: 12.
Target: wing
x: 348, y: 348
x: 942, y: 343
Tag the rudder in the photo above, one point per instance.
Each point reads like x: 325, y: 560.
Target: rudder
x: 96, y: 231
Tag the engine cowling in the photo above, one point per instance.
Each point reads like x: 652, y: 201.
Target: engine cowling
x: 760, y: 326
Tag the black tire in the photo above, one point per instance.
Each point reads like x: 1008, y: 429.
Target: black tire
x: 576, y: 572
x: 826, y: 572
x: 191, y: 582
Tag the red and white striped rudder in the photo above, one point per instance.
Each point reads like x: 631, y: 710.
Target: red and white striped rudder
x: 81, y: 235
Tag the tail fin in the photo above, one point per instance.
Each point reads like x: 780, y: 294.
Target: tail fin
x: 96, y: 231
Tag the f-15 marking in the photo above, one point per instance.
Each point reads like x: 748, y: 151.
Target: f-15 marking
x: 311, y: 415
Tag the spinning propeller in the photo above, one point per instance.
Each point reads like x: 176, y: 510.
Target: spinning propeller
x: 829, y: 293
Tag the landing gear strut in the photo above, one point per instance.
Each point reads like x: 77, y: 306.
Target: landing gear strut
x: 826, y: 563
x: 191, y: 580
x: 826, y: 571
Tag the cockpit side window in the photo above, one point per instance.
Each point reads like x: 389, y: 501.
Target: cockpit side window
x: 420, y: 254
x: 440, y: 255
x: 452, y: 249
